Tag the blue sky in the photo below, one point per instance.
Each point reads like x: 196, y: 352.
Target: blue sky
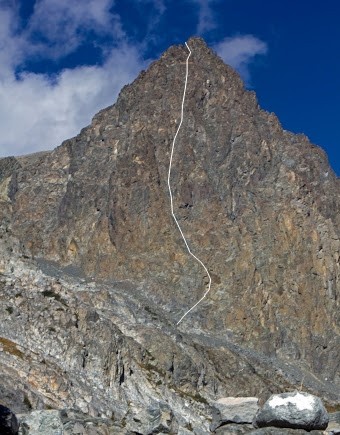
x: 63, y: 60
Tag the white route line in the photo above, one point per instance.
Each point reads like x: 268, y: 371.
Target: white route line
x: 171, y: 198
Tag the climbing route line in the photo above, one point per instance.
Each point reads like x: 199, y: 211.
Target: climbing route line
x: 171, y: 197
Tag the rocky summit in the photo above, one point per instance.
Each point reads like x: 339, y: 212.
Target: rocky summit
x: 94, y: 274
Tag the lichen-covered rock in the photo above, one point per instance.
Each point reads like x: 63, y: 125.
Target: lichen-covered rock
x: 296, y: 410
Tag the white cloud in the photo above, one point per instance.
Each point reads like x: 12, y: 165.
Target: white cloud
x: 239, y: 52
x: 206, y: 20
x: 63, y: 24
x: 11, y: 44
x: 38, y: 114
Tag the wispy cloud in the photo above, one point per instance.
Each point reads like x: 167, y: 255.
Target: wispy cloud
x: 61, y: 26
x: 206, y: 19
x: 11, y: 43
x: 152, y: 19
x: 240, y: 51
x: 38, y: 111
x: 159, y: 5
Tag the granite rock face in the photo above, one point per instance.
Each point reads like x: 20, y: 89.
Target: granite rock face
x: 94, y: 273
x: 293, y: 410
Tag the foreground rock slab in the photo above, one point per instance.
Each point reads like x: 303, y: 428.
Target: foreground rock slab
x: 233, y: 410
x: 293, y: 410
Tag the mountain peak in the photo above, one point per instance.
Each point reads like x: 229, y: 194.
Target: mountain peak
x: 259, y: 205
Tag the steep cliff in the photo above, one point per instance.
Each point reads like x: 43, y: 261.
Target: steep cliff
x: 95, y: 274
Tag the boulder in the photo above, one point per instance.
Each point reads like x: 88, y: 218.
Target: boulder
x: 293, y: 410
x: 233, y: 410
x: 8, y: 422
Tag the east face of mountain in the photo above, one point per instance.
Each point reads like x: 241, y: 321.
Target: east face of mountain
x: 257, y: 204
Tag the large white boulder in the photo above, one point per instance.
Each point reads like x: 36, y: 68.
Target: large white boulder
x: 293, y: 410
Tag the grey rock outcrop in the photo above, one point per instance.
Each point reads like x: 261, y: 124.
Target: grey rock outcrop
x: 296, y: 410
x: 233, y: 410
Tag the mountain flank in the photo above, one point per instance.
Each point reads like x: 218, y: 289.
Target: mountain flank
x: 95, y: 275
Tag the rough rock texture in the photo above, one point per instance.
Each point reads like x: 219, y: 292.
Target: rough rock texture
x: 94, y: 274
x: 65, y: 422
x: 41, y: 423
x: 293, y: 410
x: 233, y: 410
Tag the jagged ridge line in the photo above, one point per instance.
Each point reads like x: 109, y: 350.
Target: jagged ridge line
x: 170, y: 192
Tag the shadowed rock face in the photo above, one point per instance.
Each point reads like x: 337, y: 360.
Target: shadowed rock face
x: 259, y: 206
